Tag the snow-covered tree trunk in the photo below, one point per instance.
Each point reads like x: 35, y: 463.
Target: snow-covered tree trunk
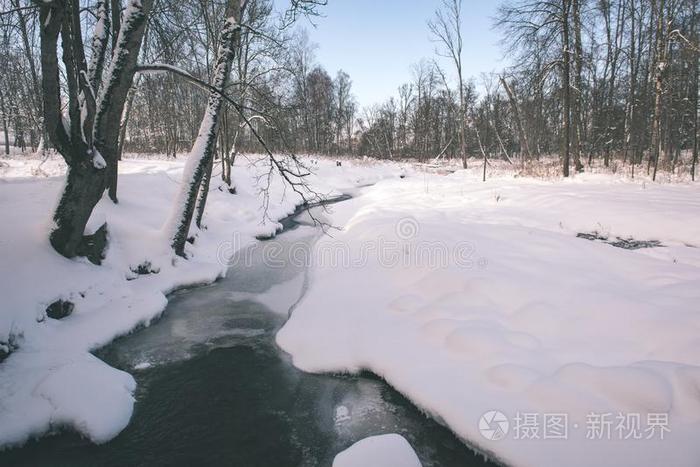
x: 661, y: 48
x: 577, y: 110
x: 203, y: 194
x: 178, y: 225
x: 5, y: 129
x: 696, y: 93
x: 566, y: 87
x: 116, y: 84
x: 88, y: 139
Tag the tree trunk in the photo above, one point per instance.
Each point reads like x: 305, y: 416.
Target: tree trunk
x: 203, y: 149
x: 659, y: 5
x: 631, y: 116
x: 91, y: 141
x: 5, y: 129
x: 84, y: 187
x: 462, y: 118
x: 696, y: 122
x: 203, y: 194
x: 30, y: 59
x: 123, y: 124
x: 578, y: 99
x: 522, y: 136
x: 483, y: 152
x: 566, y: 88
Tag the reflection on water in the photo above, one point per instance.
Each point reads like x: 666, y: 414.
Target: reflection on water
x: 213, y: 388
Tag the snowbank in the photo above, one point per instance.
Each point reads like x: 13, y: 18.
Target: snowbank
x: 477, y: 301
x: 51, y: 380
x: 390, y: 450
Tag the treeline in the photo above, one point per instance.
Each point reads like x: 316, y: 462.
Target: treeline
x: 591, y: 80
x: 607, y: 79
x: 614, y: 81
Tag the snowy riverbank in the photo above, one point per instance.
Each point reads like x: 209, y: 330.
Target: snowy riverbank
x: 51, y: 380
x: 467, y: 297
x: 473, y: 297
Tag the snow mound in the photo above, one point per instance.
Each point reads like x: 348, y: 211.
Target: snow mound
x: 487, y: 306
x: 390, y: 450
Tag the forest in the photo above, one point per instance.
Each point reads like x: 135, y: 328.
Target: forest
x: 613, y: 81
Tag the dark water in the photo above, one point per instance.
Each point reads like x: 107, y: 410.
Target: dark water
x: 214, y: 389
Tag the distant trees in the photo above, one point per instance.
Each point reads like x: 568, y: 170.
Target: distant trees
x: 627, y: 88
x: 320, y: 112
x: 613, y: 81
x: 20, y: 99
x: 608, y: 80
x: 541, y: 33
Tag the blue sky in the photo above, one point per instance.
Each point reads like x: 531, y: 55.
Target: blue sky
x: 376, y: 41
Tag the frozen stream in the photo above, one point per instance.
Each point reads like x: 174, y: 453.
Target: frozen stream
x: 213, y: 387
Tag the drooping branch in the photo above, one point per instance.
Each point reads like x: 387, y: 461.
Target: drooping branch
x: 164, y: 67
x: 293, y: 176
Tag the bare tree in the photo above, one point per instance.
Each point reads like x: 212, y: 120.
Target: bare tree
x: 696, y: 91
x: 446, y: 29
x: 199, y: 162
x: 566, y: 84
x: 659, y: 7
x: 522, y: 135
x: 88, y: 140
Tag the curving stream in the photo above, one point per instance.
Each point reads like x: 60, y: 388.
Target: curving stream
x: 213, y: 387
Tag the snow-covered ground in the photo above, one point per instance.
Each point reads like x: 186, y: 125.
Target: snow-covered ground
x: 390, y: 450
x: 51, y: 380
x: 473, y: 297
x: 475, y: 300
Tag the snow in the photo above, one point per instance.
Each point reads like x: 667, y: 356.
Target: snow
x: 473, y: 297
x: 467, y: 297
x: 52, y: 381
x: 97, y: 160
x: 390, y: 450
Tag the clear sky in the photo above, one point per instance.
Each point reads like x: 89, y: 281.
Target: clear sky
x: 377, y: 41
